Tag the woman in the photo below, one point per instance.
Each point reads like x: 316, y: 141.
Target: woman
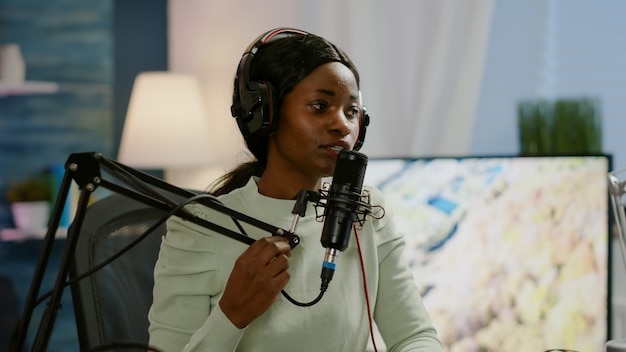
x: 296, y: 100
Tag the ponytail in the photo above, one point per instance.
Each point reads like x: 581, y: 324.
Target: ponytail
x: 236, y: 178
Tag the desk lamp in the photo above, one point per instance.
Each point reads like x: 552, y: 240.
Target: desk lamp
x: 166, y: 126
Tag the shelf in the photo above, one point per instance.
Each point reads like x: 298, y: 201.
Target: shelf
x: 28, y: 87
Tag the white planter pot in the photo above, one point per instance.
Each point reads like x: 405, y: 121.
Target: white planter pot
x: 31, y: 217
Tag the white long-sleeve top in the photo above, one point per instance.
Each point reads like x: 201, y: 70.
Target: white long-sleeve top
x: 194, y: 264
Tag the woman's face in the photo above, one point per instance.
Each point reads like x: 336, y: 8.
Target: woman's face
x: 317, y: 119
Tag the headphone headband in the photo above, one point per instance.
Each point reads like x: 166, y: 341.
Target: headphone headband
x: 274, y: 34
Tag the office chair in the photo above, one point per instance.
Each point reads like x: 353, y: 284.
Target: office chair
x: 111, y: 305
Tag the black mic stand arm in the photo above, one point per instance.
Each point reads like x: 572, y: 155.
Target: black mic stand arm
x: 85, y: 169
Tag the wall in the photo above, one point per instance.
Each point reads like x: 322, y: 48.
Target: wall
x: 93, y: 50
x: 552, y: 49
x: 70, y: 43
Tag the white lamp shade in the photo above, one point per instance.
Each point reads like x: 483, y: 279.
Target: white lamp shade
x: 166, y: 125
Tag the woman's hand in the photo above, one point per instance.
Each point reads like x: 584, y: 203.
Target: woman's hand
x: 259, y: 274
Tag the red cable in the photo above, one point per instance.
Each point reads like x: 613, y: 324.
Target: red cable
x: 367, y: 297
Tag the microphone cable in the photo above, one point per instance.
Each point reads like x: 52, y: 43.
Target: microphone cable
x: 367, y: 296
x: 299, y: 210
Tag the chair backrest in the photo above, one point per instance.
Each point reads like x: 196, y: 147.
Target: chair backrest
x: 111, y: 305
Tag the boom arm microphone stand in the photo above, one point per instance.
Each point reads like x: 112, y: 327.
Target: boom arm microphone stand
x: 85, y: 169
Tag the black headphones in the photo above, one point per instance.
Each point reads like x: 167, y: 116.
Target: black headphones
x: 254, y: 107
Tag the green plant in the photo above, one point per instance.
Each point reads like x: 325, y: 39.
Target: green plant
x: 559, y: 127
x: 29, y: 190
x: 534, y: 121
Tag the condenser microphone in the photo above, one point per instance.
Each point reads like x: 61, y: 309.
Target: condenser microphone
x: 342, y: 205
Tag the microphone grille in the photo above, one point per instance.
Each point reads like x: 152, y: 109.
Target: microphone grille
x: 350, y: 170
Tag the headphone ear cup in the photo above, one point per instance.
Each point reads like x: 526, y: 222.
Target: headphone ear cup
x: 255, y: 110
x: 254, y: 102
x: 364, y: 121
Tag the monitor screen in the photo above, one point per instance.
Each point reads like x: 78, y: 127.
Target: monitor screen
x: 509, y: 253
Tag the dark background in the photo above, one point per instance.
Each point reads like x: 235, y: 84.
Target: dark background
x: 93, y: 50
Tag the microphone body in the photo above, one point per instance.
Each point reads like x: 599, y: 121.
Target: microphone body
x: 342, y: 204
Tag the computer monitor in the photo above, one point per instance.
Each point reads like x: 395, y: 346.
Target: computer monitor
x: 509, y: 253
